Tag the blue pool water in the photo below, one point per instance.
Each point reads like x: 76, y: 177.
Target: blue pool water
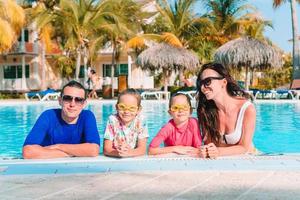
x: 277, y: 125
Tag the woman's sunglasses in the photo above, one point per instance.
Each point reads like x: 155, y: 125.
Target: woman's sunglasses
x: 69, y: 99
x: 207, y: 81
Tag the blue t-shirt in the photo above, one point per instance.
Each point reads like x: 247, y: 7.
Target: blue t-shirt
x: 51, y: 129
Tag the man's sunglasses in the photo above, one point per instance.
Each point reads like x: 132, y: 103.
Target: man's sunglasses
x: 69, y: 99
x: 207, y: 81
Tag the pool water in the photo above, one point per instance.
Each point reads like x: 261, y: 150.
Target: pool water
x: 277, y: 124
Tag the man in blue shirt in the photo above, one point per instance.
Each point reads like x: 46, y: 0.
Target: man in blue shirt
x: 69, y: 131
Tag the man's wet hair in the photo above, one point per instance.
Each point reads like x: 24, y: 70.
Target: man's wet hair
x: 74, y: 84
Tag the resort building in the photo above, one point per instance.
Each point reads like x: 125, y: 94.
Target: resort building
x: 25, y: 67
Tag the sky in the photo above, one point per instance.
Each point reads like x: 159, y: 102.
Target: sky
x: 281, y: 19
x: 282, y: 22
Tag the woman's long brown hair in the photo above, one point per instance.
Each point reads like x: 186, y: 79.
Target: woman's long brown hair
x: 207, y: 110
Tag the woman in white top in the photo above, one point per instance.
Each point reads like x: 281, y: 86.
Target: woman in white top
x: 226, y: 117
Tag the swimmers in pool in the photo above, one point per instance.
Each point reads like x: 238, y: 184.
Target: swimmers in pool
x: 181, y: 135
x: 126, y: 134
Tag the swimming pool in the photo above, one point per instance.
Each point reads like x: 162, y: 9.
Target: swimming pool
x: 277, y: 127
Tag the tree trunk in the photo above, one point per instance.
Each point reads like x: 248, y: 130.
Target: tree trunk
x: 113, y: 69
x: 296, y: 53
x: 78, y: 61
x: 24, y: 85
x: 166, y: 83
x: 251, y: 76
x: 85, y: 61
x: 43, y: 63
x: 246, y: 78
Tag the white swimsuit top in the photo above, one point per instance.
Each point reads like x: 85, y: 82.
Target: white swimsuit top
x: 235, y: 136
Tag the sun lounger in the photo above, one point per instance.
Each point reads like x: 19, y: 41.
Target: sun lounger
x: 264, y: 94
x: 51, y: 96
x: 158, y: 95
x: 273, y: 94
x: 296, y: 94
x: 192, y: 94
x: 284, y: 94
x: 44, y: 95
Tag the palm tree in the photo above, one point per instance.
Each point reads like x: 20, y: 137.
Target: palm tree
x: 79, y: 25
x: 296, y: 53
x: 228, y: 17
x: 178, y: 26
x: 12, y: 18
x: 130, y: 18
x: 254, y: 26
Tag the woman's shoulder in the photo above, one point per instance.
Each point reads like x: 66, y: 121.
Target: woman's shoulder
x: 241, y: 102
x: 247, y: 107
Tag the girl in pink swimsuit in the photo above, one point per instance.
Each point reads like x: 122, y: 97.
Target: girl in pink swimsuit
x: 181, y: 135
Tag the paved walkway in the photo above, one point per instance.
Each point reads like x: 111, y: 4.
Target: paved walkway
x: 243, y: 178
x: 221, y: 185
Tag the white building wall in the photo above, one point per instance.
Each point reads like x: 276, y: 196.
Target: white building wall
x: 141, y: 79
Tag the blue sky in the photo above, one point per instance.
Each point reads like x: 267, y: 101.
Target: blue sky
x: 282, y: 22
x: 281, y: 19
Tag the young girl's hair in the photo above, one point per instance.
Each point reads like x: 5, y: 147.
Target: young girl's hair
x: 132, y: 92
x: 180, y: 94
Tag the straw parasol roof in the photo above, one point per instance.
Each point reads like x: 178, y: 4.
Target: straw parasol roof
x: 248, y: 52
x: 166, y: 57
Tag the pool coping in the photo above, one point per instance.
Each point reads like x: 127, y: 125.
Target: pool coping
x: 102, y: 164
x: 93, y: 101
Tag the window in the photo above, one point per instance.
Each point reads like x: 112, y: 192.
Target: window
x: 26, y: 36
x: 121, y: 69
x: 15, y: 71
x: 107, y: 70
x: 81, y: 71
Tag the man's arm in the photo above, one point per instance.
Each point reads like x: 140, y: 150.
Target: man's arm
x: 78, y: 150
x: 39, y: 152
x: 60, y: 150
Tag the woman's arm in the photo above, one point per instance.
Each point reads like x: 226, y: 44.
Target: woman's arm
x: 245, y: 144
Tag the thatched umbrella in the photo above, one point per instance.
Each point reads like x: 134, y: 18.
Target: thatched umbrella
x: 248, y: 52
x: 167, y: 58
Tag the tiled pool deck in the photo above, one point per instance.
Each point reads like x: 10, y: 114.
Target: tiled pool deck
x: 243, y: 177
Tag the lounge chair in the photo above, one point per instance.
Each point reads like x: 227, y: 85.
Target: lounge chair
x: 192, y: 94
x: 264, y: 94
x: 158, y: 95
x: 44, y: 95
x: 285, y: 94
x: 296, y: 94
x: 273, y: 94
